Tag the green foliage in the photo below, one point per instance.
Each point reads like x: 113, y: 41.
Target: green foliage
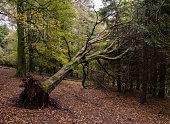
x: 158, y: 29
x: 8, y: 51
x: 4, y: 30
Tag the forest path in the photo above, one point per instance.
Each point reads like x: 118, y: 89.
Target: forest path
x: 79, y: 105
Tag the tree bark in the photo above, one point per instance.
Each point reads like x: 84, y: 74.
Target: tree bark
x: 145, y: 56
x: 137, y: 76
x: 145, y: 75
x: 21, y: 62
x: 161, y: 93
x: 53, y: 81
x: 154, y: 79
x: 30, y: 49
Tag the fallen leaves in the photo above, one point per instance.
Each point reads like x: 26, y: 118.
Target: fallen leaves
x: 77, y: 105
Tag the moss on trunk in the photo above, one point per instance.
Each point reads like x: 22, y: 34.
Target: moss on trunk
x: 21, y: 63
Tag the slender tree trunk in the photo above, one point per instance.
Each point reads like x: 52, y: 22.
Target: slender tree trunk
x: 21, y: 62
x: 30, y: 49
x: 119, y: 84
x: 145, y: 56
x: 137, y: 77
x: 137, y: 72
x: 161, y: 93
x: 145, y: 75
x: 137, y: 84
x: 154, y: 81
x: 30, y: 61
x: 155, y: 73
x: 131, y: 76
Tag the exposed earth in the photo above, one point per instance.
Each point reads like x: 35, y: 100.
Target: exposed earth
x: 78, y: 105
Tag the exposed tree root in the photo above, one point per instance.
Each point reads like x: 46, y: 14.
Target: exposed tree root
x: 34, y: 95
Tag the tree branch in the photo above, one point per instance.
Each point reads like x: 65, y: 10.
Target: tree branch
x: 68, y: 48
x: 104, y: 68
x: 112, y: 58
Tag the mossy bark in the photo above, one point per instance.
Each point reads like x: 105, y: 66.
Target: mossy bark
x: 36, y: 94
x: 53, y: 81
x: 21, y: 63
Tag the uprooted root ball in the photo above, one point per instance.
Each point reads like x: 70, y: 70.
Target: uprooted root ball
x: 34, y: 95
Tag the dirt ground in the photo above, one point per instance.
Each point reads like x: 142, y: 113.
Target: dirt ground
x: 78, y: 105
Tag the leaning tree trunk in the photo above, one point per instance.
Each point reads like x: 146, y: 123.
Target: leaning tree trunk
x: 36, y: 94
x: 53, y: 81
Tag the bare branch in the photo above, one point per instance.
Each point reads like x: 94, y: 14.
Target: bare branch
x: 100, y: 55
x: 104, y: 68
x: 112, y: 58
x: 68, y: 48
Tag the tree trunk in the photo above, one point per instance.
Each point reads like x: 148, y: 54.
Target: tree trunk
x: 53, y: 81
x: 137, y: 78
x: 30, y: 61
x: 21, y: 62
x: 37, y: 94
x: 137, y: 73
x: 154, y: 79
x: 30, y: 49
x: 131, y: 76
x: 145, y: 75
x: 161, y: 93
x: 119, y: 84
x: 145, y: 56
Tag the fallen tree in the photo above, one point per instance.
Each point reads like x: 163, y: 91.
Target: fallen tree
x: 38, y: 93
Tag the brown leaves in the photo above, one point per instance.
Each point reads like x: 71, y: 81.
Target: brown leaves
x: 78, y: 105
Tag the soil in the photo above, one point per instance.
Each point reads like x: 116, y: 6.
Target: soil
x: 78, y: 105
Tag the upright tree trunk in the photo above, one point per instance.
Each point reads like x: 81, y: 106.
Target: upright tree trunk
x: 145, y: 55
x: 137, y: 76
x: 137, y: 83
x: 21, y: 62
x: 154, y: 77
x: 154, y: 81
x: 30, y: 40
x: 162, y: 73
x: 145, y: 74
x: 30, y: 61
x: 119, y: 84
x: 131, y: 76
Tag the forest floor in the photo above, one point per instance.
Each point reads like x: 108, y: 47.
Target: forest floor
x: 79, y: 105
